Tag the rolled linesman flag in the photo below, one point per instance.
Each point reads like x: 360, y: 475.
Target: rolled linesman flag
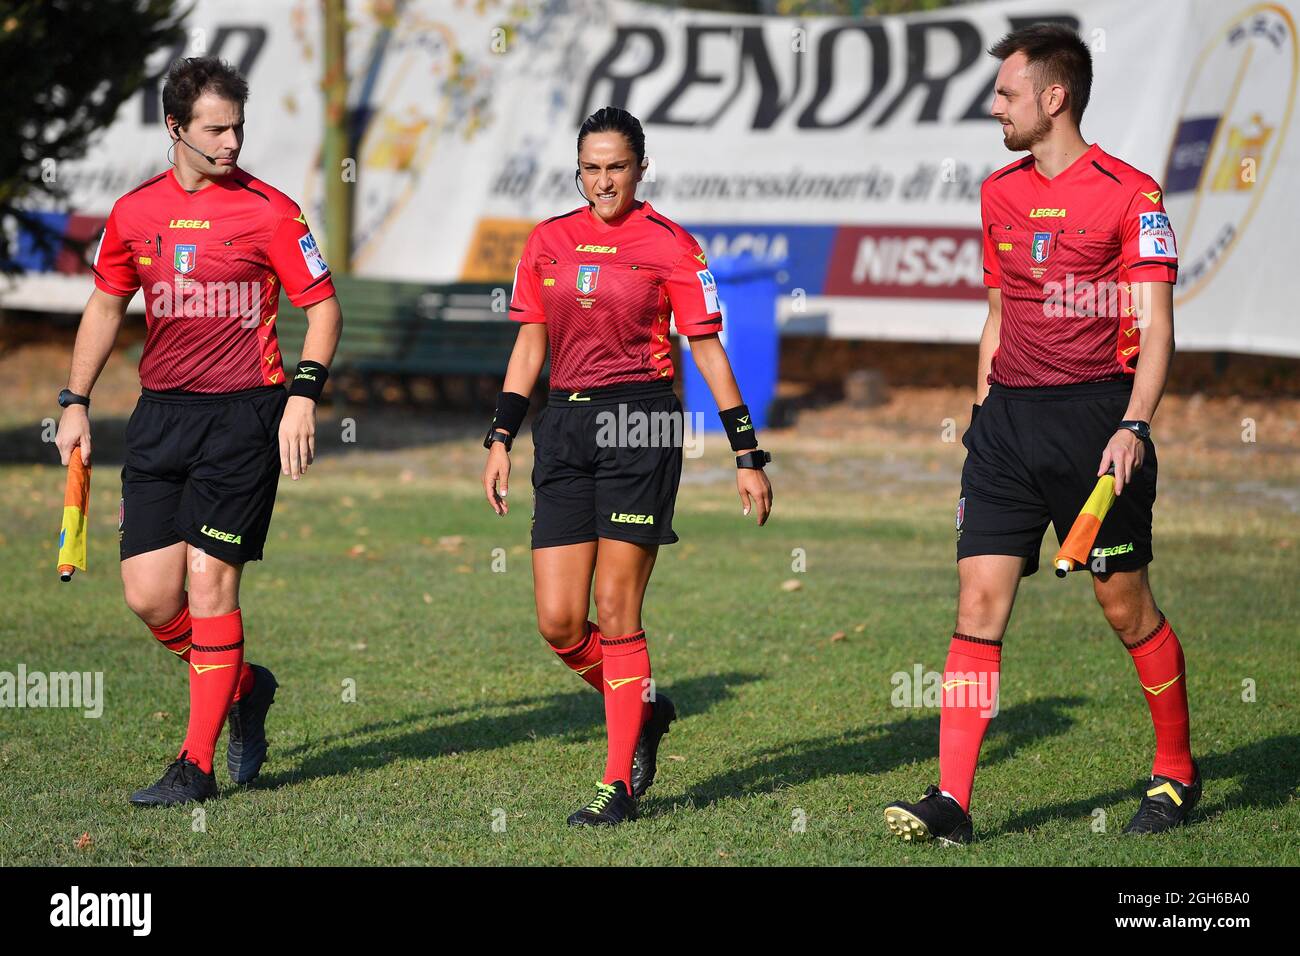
x: 1078, y: 543
x: 76, y: 504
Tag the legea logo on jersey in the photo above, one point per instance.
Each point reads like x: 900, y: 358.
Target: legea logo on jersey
x: 185, y: 257
x: 587, y: 279
x: 1042, y: 246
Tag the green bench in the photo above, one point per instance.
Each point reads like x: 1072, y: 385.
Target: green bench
x: 398, y: 332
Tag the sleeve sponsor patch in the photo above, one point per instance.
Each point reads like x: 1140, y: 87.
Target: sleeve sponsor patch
x: 710, y: 287
x: 1156, y: 236
x: 312, y: 256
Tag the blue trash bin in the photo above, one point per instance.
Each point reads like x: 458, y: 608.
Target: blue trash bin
x: 747, y: 288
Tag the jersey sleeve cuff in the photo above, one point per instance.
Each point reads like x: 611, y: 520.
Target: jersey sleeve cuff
x: 523, y: 315
x: 318, y: 291
x: 103, y: 285
x: 706, y: 326
x: 1153, y: 272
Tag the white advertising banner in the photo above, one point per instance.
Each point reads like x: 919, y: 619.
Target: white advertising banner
x: 848, y: 152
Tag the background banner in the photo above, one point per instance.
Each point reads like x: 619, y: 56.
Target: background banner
x: 850, y: 152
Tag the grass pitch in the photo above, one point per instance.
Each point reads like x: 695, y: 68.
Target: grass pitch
x: 388, y: 579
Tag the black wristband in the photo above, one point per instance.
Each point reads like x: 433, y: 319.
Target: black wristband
x: 309, y: 380
x: 974, y: 410
x: 510, y: 411
x: 740, y: 429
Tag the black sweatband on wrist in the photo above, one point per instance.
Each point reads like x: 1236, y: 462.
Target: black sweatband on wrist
x: 974, y: 411
x: 309, y: 380
x: 739, y: 428
x: 510, y: 412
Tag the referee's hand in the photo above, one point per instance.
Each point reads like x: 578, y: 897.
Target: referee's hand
x: 496, y: 478
x: 755, y: 492
x: 1125, y: 451
x: 74, y: 430
x: 297, y: 436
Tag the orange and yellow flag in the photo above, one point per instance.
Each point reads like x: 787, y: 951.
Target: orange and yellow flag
x: 76, y: 504
x: 1078, y: 543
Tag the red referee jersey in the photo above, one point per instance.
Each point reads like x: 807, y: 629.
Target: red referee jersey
x: 605, y: 291
x: 1064, y: 251
x: 211, y: 263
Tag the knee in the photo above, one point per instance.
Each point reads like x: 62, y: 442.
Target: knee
x: 617, y: 611
x: 561, y: 630
x: 1125, y: 617
x: 155, y: 606
x: 981, y: 612
x: 213, y: 594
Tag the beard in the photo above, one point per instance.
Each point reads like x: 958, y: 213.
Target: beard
x: 1019, y: 142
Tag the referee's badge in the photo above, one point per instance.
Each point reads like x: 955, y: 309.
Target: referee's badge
x: 1042, y: 246
x: 587, y: 279
x: 184, y: 258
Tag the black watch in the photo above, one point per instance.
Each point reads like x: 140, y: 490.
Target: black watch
x: 754, y: 459
x: 1141, y: 429
x: 67, y: 397
x: 494, y: 436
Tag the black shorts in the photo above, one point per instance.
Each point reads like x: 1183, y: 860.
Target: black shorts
x: 1032, y: 457
x: 606, y: 464
x: 201, y: 469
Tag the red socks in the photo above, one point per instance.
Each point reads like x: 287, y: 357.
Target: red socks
x: 216, y: 657
x: 584, y: 658
x: 970, y: 693
x: 627, y: 672
x: 1160, y: 667
x: 175, y: 636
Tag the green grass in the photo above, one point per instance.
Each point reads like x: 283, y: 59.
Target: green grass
x: 462, y: 717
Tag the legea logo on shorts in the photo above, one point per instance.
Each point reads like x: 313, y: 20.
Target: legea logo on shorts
x: 1111, y: 552
x: 622, y: 518
x: 227, y: 536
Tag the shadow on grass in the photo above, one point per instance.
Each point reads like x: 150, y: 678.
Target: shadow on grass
x: 879, y: 750
x: 1266, y: 772
x: 557, y: 715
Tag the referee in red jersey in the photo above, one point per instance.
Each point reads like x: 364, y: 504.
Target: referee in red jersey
x: 215, y: 426
x: 1080, y: 262
x: 598, y: 285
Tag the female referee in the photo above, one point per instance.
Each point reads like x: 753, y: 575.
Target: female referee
x: 597, y: 285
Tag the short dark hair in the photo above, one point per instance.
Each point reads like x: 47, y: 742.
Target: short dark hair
x: 611, y: 119
x: 1056, y: 55
x: 190, y: 78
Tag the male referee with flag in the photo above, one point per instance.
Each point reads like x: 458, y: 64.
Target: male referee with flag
x: 215, y: 426
x: 1080, y: 262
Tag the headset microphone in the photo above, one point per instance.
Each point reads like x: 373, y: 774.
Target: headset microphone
x: 176, y: 130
